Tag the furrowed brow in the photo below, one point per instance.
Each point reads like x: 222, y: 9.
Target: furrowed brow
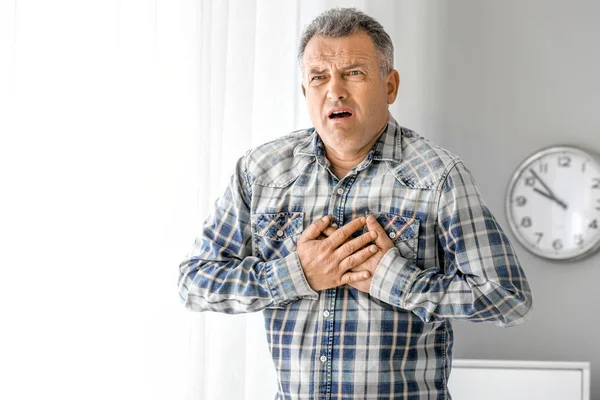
x: 355, y: 65
x: 317, y: 71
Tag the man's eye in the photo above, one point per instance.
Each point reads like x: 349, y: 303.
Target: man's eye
x: 354, y: 73
x: 317, y: 77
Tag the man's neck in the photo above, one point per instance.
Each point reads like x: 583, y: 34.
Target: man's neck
x: 341, y: 164
x: 343, y: 161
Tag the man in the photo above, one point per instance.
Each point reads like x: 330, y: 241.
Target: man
x: 358, y: 239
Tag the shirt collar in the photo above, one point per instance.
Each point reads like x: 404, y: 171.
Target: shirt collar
x: 313, y: 146
x: 387, y: 148
x: 389, y: 145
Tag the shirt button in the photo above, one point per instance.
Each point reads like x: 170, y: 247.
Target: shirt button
x: 340, y: 191
x: 392, y: 235
x: 323, y: 358
x: 280, y: 233
x: 334, y: 225
x: 326, y: 313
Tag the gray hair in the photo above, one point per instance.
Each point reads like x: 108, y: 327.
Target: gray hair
x: 342, y: 22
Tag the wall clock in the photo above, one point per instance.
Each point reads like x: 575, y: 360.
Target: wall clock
x: 553, y: 203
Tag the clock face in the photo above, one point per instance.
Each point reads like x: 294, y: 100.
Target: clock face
x: 553, y: 203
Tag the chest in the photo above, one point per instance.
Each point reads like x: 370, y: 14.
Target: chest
x: 408, y: 214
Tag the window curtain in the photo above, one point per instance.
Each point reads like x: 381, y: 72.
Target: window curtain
x: 249, y: 90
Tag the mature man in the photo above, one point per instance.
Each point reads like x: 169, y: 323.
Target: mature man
x: 358, y: 239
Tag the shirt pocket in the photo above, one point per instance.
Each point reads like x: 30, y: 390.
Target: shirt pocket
x: 404, y: 232
x: 276, y: 235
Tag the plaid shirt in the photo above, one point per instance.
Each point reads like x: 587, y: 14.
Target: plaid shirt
x: 451, y: 261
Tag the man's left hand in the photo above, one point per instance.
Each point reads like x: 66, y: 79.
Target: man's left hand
x: 383, y: 244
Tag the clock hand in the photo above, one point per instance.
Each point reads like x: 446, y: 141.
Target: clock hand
x: 551, y: 197
x: 550, y: 193
x: 536, y: 176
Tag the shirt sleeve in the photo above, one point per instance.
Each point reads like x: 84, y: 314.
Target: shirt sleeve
x: 481, y: 279
x: 221, y: 274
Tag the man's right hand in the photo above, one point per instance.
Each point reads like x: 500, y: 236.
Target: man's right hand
x: 327, y: 262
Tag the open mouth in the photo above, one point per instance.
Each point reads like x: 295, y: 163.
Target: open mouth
x: 340, y: 114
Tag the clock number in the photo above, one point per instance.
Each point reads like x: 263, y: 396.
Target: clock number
x: 530, y: 181
x: 564, y: 161
x: 596, y: 184
x: 543, y: 168
x: 526, y: 222
x: 598, y: 204
x: 557, y: 244
x: 578, y: 239
x: 540, y: 235
x: 521, y: 201
x: 593, y: 224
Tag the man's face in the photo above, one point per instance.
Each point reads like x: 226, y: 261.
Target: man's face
x: 346, y: 96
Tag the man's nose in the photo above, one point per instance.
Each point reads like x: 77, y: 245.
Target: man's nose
x: 337, y: 89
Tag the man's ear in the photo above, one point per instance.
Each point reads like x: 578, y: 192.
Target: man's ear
x: 392, y: 84
x: 303, y: 90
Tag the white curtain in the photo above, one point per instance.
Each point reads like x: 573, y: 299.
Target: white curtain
x: 249, y: 90
x: 249, y: 94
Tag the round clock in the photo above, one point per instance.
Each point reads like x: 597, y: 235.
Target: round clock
x: 553, y: 203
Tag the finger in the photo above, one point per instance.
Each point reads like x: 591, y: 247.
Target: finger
x: 356, y: 259
x: 345, y: 232
x: 354, y: 245
x: 353, y: 277
x: 382, y: 238
x: 315, y: 229
x: 329, y: 231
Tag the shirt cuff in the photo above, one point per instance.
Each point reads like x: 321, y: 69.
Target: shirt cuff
x: 392, y: 277
x: 287, y: 282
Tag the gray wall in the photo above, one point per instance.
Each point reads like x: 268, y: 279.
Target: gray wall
x: 518, y: 76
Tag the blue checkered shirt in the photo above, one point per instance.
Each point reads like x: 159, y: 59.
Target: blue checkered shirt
x: 451, y: 260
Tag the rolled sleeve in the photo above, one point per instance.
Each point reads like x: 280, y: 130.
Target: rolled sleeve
x: 392, y: 278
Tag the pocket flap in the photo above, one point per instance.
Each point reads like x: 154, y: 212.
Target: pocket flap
x: 398, y: 228
x: 279, y: 226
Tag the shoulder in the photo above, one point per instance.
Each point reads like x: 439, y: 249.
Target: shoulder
x: 279, y: 162
x: 424, y: 164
